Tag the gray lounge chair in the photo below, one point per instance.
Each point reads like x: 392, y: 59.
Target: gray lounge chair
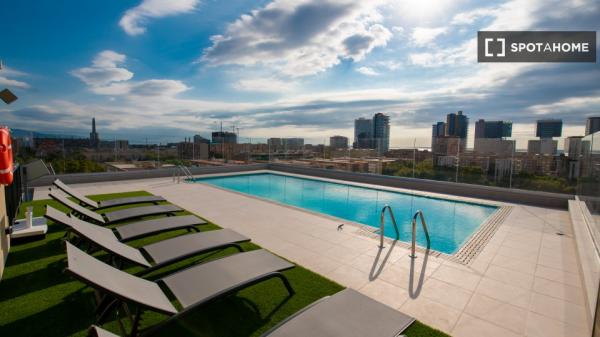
x: 138, y: 229
x: 158, y: 254
x: 96, y: 331
x: 191, y: 287
x: 83, y: 200
x: 116, y: 216
x: 347, y: 313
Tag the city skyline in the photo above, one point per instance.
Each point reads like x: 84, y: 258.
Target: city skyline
x: 486, y: 130
x: 149, y: 71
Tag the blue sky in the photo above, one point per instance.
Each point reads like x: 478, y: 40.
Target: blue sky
x: 165, y: 70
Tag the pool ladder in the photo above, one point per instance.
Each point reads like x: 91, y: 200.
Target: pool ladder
x: 419, y: 214
x: 414, y: 232
x: 382, y: 223
x: 182, y: 170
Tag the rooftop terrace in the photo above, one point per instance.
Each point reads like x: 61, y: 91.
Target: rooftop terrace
x: 526, y: 279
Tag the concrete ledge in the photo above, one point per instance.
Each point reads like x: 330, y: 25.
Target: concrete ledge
x: 534, y: 198
x: 586, y: 240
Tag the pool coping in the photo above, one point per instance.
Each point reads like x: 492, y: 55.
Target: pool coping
x: 468, y: 251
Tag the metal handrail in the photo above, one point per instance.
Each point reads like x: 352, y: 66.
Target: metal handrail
x: 382, y: 223
x: 180, y: 169
x: 187, y: 172
x: 414, y: 232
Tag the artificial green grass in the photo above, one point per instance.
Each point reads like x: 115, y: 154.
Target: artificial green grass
x: 38, y: 299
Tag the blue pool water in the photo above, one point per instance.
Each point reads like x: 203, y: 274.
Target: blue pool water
x: 450, y: 222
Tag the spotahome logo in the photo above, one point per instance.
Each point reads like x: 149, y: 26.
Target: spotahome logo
x: 527, y: 46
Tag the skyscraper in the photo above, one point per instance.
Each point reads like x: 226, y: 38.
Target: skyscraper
x: 381, y: 132
x: 489, y: 138
x: 592, y: 125
x: 338, y: 142
x: 94, y: 137
x: 492, y: 129
x: 548, y: 128
x: 437, y: 130
x: 457, y: 125
x: 363, y: 133
x: 224, y: 137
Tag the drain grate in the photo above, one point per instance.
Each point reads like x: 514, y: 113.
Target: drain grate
x: 477, y: 242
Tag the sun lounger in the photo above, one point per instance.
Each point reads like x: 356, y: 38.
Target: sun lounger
x: 138, y: 229
x: 116, y: 216
x: 158, y: 254
x: 191, y: 287
x: 347, y: 313
x: 83, y: 200
x: 96, y: 331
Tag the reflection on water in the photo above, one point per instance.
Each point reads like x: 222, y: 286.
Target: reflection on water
x: 450, y: 222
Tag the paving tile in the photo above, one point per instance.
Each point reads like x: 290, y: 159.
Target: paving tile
x: 427, y: 266
x: 402, y: 278
x: 527, y: 267
x: 511, y: 277
x: 432, y: 313
x: 349, y: 277
x: 479, y: 266
x: 388, y: 253
x: 461, y: 278
x: 469, y: 326
x: 559, y: 262
x: 322, y: 265
x: 357, y: 244
x: 559, y: 290
x: 369, y: 264
x: 342, y: 254
x: 559, y: 309
x: 385, y: 293
x: 542, y: 326
x: 530, y: 255
x: 445, y: 293
x: 504, y: 292
x: 497, y: 312
x: 558, y: 275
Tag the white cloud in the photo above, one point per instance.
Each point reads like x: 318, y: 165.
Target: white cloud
x: 568, y: 105
x: 469, y: 17
x: 397, y: 30
x: 392, y: 65
x: 149, y: 88
x: 299, y: 38
x: 107, y: 77
x: 368, y: 71
x: 265, y: 84
x: 5, y: 80
x: 465, y: 53
x: 134, y: 20
x: 13, y: 83
x: 422, y: 36
x: 104, y: 70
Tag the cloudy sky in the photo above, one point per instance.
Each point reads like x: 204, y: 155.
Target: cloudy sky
x: 165, y: 70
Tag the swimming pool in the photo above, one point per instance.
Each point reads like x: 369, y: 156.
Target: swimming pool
x: 450, y: 222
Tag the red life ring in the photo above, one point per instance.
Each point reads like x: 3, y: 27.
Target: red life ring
x: 6, y: 157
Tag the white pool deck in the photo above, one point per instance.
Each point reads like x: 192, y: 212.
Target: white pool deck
x: 526, y: 282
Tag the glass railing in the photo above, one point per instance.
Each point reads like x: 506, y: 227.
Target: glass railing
x: 493, y: 162
x: 588, y: 185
